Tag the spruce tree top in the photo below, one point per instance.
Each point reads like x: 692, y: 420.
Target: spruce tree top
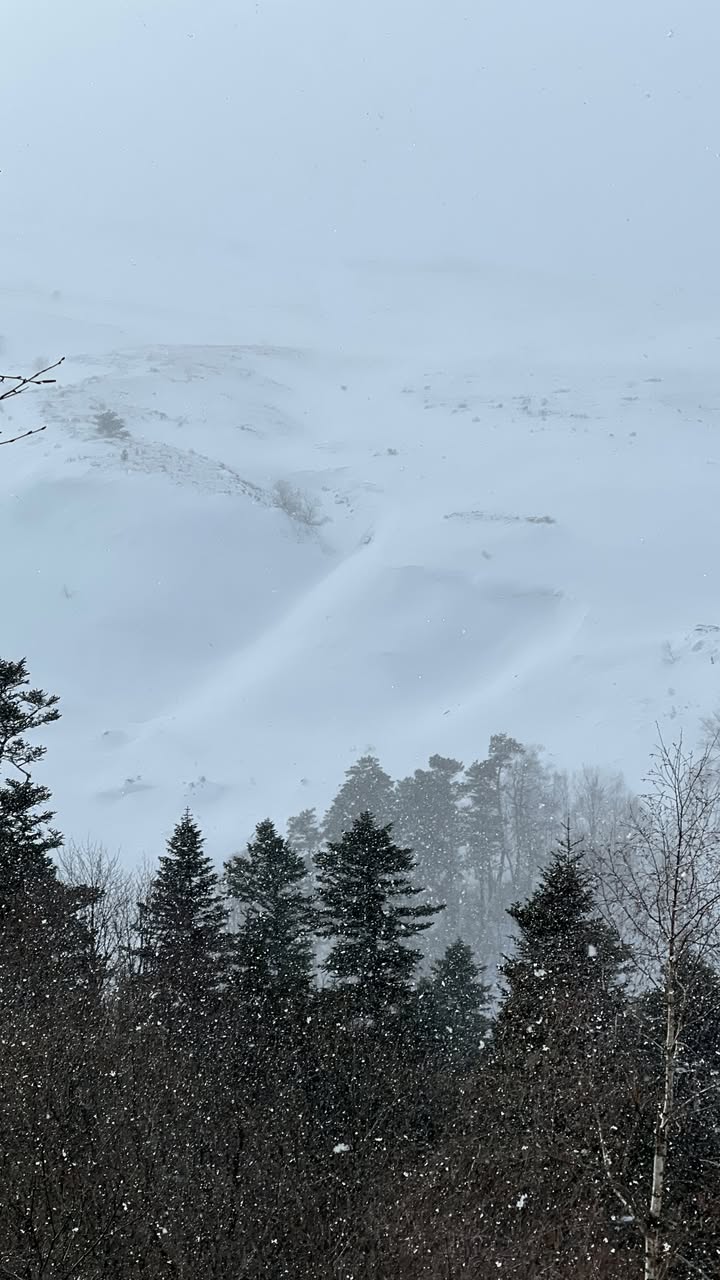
x: 456, y: 976
x: 566, y: 956
x: 365, y: 889
x: 270, y: 870
x: 454, y: 1002
x: 560, y: 915
x: 186, y: 885
x: 303, y: 831
x: 272, y: 946
x: 367, y: 788
x: 183, y: 921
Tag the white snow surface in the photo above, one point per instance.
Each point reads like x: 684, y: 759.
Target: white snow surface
x: 454, y: 283
x: 506, y: 542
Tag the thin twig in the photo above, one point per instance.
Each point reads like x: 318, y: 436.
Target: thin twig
x: 31, y: 380
x: 20, y: 384
x: 13, y: 439
x: 607, y: 1166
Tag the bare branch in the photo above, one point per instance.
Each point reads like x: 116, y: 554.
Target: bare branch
x: 619, y: 1194
x: 24, y: 435
x: 20, y: 383
x: 693, y: 1266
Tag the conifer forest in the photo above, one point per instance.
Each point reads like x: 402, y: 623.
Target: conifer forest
x: 465, y: 1023
x: 359, y: 640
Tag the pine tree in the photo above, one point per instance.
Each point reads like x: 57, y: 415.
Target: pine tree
x: 454, y: 1002
x: 365, y: 889
x: 367, y: 789
x: 510, y: 806
x: 485, y: 834
x: 566, y: 956
x: 26, y: 840
x: 305, y: 837
x: 516, y: 1184
x: 427, y: 819
x: 43, y: 944
x: 182, y: 924
x: 273, y: 950
x: 49, y: 1004
x: 563, y: 1053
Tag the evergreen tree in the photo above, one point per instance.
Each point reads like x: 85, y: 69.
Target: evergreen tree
x: 273, y: 950
x: 26, y: 840
x: 49, y: 1004
x: 43, y: 944
x: 454, y: 1002
x: 365, y: 889
x: 510, y: 806
x: 428, y: 820
x: 182, y: 924
x: 564, y: 1051
x: 367, y: 789
x: 566, y: 956
x: 486, y: 836
x: 305, y: 837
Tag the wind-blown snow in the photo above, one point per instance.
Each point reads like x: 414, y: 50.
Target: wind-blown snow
x: 466, y: 324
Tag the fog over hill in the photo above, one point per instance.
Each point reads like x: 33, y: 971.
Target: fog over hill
x: 390, y: 412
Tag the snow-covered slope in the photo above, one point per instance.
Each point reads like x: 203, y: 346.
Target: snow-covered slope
x: 447, y: 274
x: 482, y: 538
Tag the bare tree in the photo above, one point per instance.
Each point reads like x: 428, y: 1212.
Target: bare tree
x: 600, y: 805
x: 110, y: 912
x: 664, y: 879
x: 12, y: 385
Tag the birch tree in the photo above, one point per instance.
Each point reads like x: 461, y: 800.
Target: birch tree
x: 665, y: 881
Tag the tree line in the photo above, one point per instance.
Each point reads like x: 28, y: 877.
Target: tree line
x: 269, y: 1070
x: 479, y: 833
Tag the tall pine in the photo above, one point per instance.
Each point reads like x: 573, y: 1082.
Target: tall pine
x: 26, y: 840
x: 366, y: 909
x: 562, y: 1059
x: 272, y: 947
x: 367, y: 788
x: 182, y: 923
x: 305, y: 836
x: 42, y: 940
x: 428, y: 819
x: 454, y: 1004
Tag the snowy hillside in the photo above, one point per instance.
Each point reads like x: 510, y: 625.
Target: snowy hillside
x: 242, y: 565
x: 441, y: 281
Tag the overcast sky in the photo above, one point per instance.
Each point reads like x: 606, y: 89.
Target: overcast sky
x: 572, y: 138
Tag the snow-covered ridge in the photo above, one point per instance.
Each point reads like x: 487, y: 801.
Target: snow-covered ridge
x: 241, y: 565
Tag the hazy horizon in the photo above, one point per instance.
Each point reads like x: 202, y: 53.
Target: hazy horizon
x: 573, y: 144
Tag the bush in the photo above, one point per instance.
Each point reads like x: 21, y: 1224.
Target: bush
x: 297, y: 505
